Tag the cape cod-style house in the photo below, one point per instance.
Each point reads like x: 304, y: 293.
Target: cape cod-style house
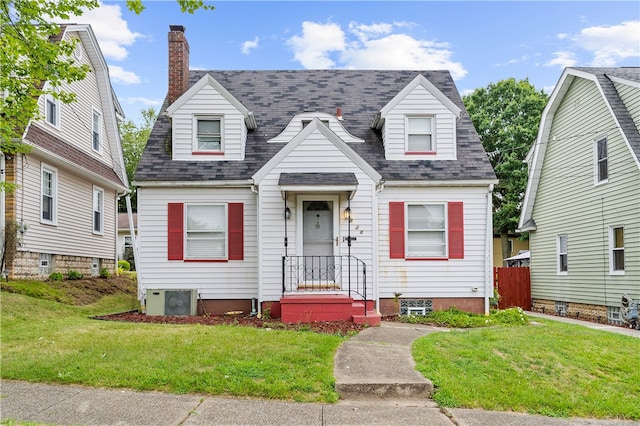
x: 582, y: 204
x: 62, y: 216
x: 305, y: 193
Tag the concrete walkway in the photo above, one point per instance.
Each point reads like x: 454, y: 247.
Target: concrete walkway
x: 374, y: 373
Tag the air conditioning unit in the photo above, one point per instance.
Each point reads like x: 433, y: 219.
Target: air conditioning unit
x: 172, y: 302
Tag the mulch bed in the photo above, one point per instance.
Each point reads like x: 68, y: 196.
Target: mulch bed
x: 342, y: 328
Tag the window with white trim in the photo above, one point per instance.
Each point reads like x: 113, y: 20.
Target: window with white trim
x: 208, y: 134
x: 49, y: 195
x: 616, y: 250
x: 206, y: 227
x: 426, y: 230
x: 96, y: 130
x: 602, y: 160
x: 419, y: 135
x: 98, y: 210
x: 52, y: 110
x: 563, y: 252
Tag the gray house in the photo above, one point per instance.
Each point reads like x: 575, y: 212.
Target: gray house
x: 582, y: 205
x: 312, y: 194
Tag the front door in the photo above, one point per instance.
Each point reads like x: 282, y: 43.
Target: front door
x: 318, y: 240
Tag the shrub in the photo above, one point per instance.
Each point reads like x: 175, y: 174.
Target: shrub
x: 56, y: 276
x: 104, y: 273
x: 73, y: 275
x: 456, y: 318
x: 124, y: 265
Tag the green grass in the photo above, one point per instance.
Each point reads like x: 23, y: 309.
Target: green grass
x: 456, y: 318
x: 553, y: 369
x: 46, y: 341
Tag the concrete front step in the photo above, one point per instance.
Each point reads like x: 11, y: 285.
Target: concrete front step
x: 385, y: 390
x: 372, y: 319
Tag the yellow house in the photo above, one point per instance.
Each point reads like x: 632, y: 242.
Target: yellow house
x: 515, y: 245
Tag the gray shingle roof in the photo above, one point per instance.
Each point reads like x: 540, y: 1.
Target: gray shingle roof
x: 613, y: 98
x: 276, y: 96
x: 318, y: 179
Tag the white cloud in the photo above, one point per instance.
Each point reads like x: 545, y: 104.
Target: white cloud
x: 111, y: 30
x: 119, y: 75
x: 143, y: 101
x: 610, y: 44
x: 374, y: 46
x: 249, y: 45
x: 562, y: 60
x: 562, y: 36
x: 317, y: 41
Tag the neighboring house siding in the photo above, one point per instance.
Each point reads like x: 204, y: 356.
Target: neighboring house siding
x: 436, y: 278
x: 76, y: 117
x: 215, y: 280
x: 313, y: 154
x: 418, y: 102
x: 73, y: 234
x: 208, y: 102
x: 568, y: 202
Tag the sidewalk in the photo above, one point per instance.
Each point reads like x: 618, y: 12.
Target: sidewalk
x: 395, y: 396
x: 603, y: 327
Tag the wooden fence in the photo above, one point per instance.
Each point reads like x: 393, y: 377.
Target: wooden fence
x: 514, y: 287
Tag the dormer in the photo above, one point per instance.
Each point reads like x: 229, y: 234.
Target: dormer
x: 419, y: 123
x: 209, y: 123
x: 300, y: 121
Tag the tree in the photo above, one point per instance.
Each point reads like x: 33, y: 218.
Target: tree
x: 506, y: 115
x: 32, y: 54
x: 134, y: 138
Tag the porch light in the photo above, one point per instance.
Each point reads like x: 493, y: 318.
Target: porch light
x: 287, y: 213
x: 347, y: 214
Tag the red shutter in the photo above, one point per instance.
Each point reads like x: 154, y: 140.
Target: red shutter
x: 236, y: 231
x: 175, y: 236
x: 396, y: 230
x: 456, y: 231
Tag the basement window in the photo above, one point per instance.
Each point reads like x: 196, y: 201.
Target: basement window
x: 415, y: 306
x: 45, y: 264
x: 561, y: 308
x: 613, y: 315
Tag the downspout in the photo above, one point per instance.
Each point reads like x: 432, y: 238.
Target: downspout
x: 134, y: 245
x: 256, y: 192
x: 488, y: 258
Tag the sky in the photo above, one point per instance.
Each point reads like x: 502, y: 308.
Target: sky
x: 479, y: 42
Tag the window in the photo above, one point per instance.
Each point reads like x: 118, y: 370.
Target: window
x: 614, y: 316
x: 616, y: 250
x: 209, y: 134
x: 95, y: 267
x: 562, y: 308
x: 209, y: 232
x: 563, y: 264
x: 98, y: 210
x: 96, y: 130
x: 128, y: 242
x: 45, y: 266
x: 48, y: 190
x: 52, y: 110
x: 420, y: 134
x: 429, y: 231
x: 602, y: 161
x: 426, y: 230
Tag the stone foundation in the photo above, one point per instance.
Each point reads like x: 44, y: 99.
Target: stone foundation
x: 27, y: 265
x: 594, y: 313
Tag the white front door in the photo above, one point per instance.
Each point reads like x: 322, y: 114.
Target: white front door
x: 319, y: 237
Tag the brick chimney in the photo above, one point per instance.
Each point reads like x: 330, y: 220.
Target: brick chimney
x: 178, y: 62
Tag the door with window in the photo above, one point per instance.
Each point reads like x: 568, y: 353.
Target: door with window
x: 319, y: 239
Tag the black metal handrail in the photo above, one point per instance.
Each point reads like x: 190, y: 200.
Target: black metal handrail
x: 346, y: 274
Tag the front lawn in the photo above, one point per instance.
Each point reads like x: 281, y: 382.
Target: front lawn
x: 547, y: 368
x: 52, y: 342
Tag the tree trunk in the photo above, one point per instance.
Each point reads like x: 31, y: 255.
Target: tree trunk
x: 504, y: 241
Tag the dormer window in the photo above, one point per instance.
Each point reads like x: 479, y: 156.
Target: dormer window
x: 208, y: 135
x: 419, y: 135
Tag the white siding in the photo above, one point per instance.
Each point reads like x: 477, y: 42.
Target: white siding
x: 436, y: 278
x: 73, y: 234
x: 214, y: 280
x: 315, y: 154
x: 420, y: 101
x: 208, y: 102
x: 568, y: 202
